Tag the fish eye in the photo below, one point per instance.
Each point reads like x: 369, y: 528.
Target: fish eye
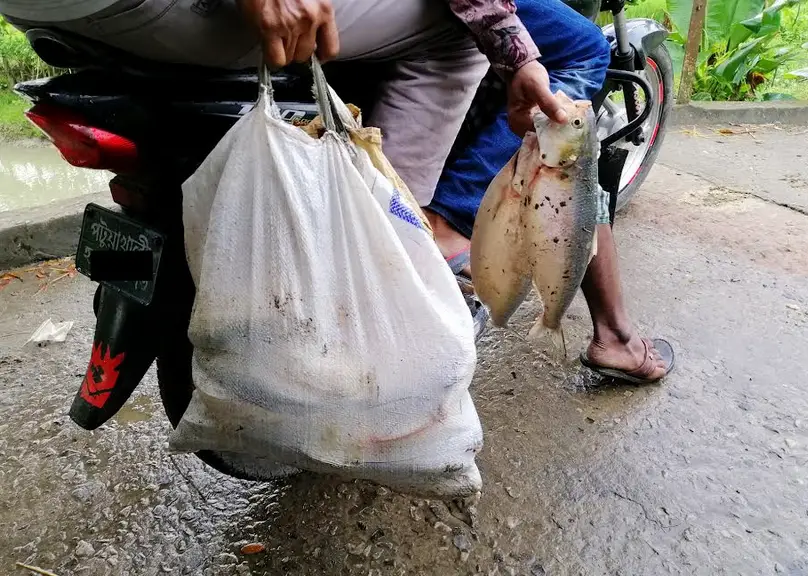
x: 577, y: 123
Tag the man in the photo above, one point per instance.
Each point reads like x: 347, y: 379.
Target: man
x: 576, y: 55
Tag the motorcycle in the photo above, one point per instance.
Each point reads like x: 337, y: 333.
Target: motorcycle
x: 152, y: 124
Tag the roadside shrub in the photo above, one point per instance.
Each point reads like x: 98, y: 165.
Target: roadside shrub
x: 742, y: 47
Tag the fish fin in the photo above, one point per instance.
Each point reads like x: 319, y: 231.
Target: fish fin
x: 554, y: 336
x: 540, y: 119
x: 562, y: 97
x: 594, y: 245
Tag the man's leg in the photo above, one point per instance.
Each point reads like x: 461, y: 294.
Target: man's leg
x: 432, y: 71
x: 420, y: 110
x: 616, y: 343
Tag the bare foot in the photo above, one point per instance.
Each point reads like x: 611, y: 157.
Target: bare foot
x: 628, y: 353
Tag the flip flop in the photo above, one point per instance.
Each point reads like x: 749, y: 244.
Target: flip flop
x: 639, y: 375
x: 479, y: 312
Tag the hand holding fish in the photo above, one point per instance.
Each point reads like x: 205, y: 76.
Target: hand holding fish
x: 530, y: 89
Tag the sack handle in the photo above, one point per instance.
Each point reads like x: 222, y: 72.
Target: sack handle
x: 328, y: 109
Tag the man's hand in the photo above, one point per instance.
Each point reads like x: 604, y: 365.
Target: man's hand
x: 530, y: 89
x: 293, y: 29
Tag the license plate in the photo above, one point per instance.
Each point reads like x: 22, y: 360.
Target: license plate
x: 119, y: 253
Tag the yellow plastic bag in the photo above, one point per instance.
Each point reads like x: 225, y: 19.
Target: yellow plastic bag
x: 369, y: 139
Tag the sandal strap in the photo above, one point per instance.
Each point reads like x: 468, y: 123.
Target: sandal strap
x: 648, y: 366
x: 457, y: 262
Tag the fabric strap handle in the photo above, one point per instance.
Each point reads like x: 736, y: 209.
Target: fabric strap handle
x: 328, y: 109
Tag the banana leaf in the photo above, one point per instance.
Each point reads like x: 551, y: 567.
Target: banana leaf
x: 801, y: 74
x: 677, y: 52
x: 765, y: 23
x: 768, y: 20
x: 766, y: 65
x: 736, y: 62
x: 722, y: 14
x: 678, y: 12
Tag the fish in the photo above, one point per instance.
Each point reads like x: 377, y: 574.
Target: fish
x: 536, y: 223
x: 559, y: 215
x: 498, y: 267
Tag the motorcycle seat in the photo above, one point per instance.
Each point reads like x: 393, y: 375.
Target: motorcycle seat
x: 100, y: 70
x: 62, y: 49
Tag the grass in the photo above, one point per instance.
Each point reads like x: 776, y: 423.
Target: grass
x: 13, y: 124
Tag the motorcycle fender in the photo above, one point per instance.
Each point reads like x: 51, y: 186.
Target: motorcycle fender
x: 124, y: 347
x: 644, y: 34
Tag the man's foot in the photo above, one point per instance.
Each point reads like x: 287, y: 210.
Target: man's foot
x: 635, y: 359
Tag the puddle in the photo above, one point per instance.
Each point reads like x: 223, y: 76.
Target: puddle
x: 33, y: 176
x: 138, y: 410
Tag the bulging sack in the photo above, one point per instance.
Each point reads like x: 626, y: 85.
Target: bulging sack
x: 328, y: 332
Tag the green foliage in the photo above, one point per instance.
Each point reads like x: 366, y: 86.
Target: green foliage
x: 17, y: 60
x: 797, y: 74
x: 742, y: 48
x: 795, y: 34
x: 13, y: 125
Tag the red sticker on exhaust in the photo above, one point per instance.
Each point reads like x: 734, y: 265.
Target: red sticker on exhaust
x: 102, y: 373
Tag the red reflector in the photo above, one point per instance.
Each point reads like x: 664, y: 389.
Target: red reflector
x: 82, y: 145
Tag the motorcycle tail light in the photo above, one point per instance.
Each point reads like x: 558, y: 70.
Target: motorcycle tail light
x: 83, y: 145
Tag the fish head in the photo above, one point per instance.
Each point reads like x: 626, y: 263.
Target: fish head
x: 561, y: 144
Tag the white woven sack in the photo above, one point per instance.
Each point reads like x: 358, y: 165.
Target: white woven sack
x: 328, y: 332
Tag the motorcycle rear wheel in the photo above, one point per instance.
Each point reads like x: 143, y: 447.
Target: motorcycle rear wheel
x: 612, y: 116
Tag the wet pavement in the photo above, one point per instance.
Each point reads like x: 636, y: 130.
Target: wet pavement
x: 703, y: 474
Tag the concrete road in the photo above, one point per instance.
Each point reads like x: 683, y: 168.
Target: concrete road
x: 769, y: 162
x: 703, y: 474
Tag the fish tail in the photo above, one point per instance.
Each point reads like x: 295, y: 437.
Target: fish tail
x: 553, y: 336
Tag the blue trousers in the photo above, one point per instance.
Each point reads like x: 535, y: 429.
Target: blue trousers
x: 575, y: 54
